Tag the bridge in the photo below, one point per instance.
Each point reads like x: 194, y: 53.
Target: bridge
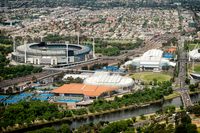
x: 183, y: 58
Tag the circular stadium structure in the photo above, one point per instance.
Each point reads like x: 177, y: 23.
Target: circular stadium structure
x: 195, y: 54
x: 108, y: 79
x: 51, y: 54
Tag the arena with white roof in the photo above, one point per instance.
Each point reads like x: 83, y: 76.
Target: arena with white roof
x: 152, y: 59
x: 195, y: 54
x: 108, y: 79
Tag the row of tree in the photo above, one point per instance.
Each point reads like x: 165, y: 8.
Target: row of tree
x: 18, y: 71
x: 63, y: 129
x: 142, y: 96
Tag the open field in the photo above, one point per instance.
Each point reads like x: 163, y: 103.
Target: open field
x: 150, y: 76
x: 196, y: 68
x: 192, y: 46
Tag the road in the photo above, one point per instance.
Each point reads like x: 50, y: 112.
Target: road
x: 182, y: 75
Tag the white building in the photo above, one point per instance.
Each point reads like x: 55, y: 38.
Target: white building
x: 108, y: 79
x: 152, y: 59
x: 195, y: 54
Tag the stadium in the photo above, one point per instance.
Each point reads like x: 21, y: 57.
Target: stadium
x: 51, y: 53
x: 195, y: 54
x: 152, y: 59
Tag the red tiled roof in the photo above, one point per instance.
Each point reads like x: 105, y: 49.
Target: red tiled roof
x: 88, y: 90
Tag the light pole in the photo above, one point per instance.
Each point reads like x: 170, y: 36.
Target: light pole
x: 25, y: 42
x: 93, y: 45
x: 14, y: 43
x: 66, y: 43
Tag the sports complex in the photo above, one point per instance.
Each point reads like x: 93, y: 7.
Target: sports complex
x: 51, y: 53
x: 154, y: 59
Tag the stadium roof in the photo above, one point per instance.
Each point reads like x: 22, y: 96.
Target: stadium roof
x: 153, y: 53
x: 105, y: 78
x: 194, y: 54
x: 88, y: 90
x: 151, y: 58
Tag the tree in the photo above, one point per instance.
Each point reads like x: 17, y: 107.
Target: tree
x: 44, y: 130
x: 142, y: 117
x: 133, y: 119
x: 65, y: 129
x: 191, y: 128
x: 131, y: 68
x: 187, y: 81
x: 192, y: 87
x: 34, y: 79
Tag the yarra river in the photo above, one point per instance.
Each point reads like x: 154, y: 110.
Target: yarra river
x: 114, y: 116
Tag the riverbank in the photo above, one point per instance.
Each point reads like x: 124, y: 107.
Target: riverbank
x: 91, y: 116
x: 44, y: 123
x: 171, y: 96
x: 176, y: 94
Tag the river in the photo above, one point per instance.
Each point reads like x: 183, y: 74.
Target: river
x: 114, y: 116
x: 132, y: 112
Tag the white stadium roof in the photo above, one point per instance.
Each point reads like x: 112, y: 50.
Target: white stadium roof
x: 151, y: 58
x: 153, y: 53
x: 105, y: 78
x: 194, y: 54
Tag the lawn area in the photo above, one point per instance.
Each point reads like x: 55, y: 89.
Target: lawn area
x: 196, y: 68
x: 150, y: 76
x: 171, y: 96
x: 192, y: 45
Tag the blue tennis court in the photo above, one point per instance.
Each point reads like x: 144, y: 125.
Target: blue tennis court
x: 168, y: 55
x: 43, y: 97
x: 3, y: 97
x: 17, y: 98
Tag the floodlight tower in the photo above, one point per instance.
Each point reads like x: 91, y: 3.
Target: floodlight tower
x: 41, y: 38
x: 78, y: 37
x: 67, y: 50
x: 93, y: 45
x: 14, y: 43
x: 25, y: 42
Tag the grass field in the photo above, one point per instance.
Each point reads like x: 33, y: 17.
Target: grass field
x: 192, y: 46
x: 196, y: 68
x: 150, y: 76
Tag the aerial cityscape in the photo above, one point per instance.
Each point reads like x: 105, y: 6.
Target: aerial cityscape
x: 100, y: 66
